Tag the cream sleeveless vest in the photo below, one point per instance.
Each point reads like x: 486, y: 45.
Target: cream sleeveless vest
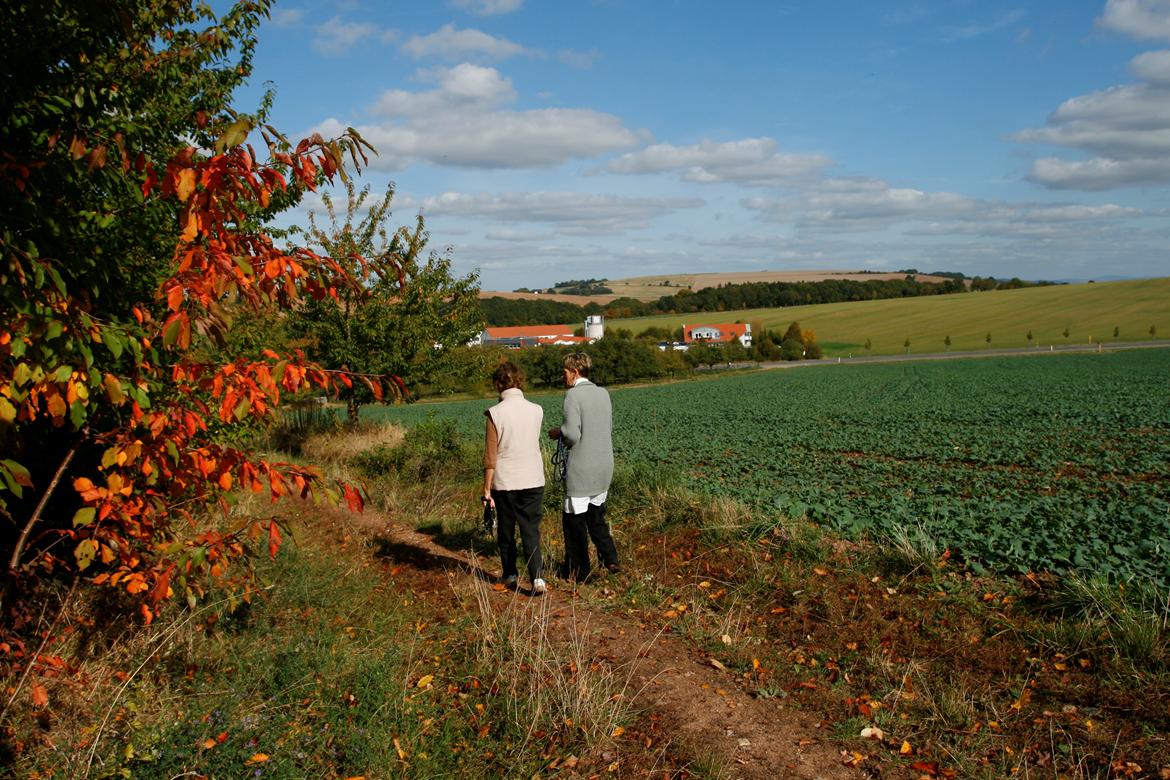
x: 519, y: 465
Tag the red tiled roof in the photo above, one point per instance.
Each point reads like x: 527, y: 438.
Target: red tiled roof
x: 531, y: 332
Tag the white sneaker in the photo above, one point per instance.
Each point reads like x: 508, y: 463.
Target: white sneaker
x: 538, y: 586
x: 510, y: 582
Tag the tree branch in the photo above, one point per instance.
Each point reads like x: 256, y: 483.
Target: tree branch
x: 14, y: 561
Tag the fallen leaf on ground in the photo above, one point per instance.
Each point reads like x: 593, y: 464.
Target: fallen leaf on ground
x: 257, y: 758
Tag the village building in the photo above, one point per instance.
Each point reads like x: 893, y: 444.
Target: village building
x: 718, y: 334
x: 518, y: 336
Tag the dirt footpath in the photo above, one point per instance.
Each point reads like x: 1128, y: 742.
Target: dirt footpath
x: 703, y: 707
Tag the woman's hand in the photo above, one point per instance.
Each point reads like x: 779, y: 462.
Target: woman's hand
x: 487, y: 499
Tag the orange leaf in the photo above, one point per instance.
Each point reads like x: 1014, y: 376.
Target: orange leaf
x: 208, y: 743
x: 40, y: 697
x: 186, y: 184
x: 906, y: 749
x: 257, y: 758
x: 273, y: 538
x: 175, y: 297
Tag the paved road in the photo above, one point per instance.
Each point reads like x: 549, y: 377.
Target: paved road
x: 978, y: 353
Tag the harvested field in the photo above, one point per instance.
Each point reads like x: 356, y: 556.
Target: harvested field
x: 650, y: 288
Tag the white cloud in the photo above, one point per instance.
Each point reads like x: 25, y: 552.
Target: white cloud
x: 487, y: 7
x: 1099, y: 173
x: 872, y: 204
x: 287, y: 17
x: 464, y: 122
x: 1149, y: 19
x: 572, y: 212
x: 748, y: 161
x: 870, y: 199
x: 462, y: 88
x: 977, y: 29
x: 1125, y: 128
x: 453, y: 44
x: 1153, y: 67
x: 336, y: 37
x: 511, y: 234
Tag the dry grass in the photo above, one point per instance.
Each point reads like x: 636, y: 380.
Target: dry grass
x: 338, y: 446
x: 551, y: 683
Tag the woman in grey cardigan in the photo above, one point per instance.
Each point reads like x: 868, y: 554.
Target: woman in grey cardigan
x: 587, y: 432
x: 513, y: 473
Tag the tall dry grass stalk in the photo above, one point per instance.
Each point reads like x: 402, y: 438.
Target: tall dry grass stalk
x: 550, y: 681
x: 337, y: 446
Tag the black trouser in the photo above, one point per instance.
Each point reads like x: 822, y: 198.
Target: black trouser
x: 579, y: 529
x: 522, y: 507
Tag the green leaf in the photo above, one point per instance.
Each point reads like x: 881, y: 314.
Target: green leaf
x: 62, y: 373
x: 19, y: 472
x: 55, y: 329
x: 7, y: 410
x: 77, y: 414
x: 84, y: 516
x: 113, y: 342
x: 171, y: 330
x: 234, y: 135
x: 84, y: 552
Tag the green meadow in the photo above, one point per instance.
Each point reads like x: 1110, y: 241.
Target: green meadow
x: 1090, y: 312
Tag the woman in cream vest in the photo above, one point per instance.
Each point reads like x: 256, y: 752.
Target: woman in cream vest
x: 513, y: 474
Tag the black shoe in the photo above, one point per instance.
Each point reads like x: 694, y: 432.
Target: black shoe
x: 613, y: 568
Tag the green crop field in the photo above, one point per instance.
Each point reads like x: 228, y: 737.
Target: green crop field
x: 1055, y: 462
x: 1089, y: 311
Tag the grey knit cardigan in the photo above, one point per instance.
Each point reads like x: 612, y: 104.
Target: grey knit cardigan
x: 588, y: 433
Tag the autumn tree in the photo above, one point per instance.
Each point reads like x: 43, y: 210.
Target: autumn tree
x: 409, y: 318
x: 132, y: 213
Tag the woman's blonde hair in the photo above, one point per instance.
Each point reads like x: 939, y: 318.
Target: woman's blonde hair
x: 579, y: 362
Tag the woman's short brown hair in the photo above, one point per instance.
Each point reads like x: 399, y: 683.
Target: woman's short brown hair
x: 579, y: 362
x: 508, y: 375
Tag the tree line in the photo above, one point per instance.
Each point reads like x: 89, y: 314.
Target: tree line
x: 502, y: 312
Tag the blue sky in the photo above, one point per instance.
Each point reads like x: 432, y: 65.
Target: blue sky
x: 545, y: 141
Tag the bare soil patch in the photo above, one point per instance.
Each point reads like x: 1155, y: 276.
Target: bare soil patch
x: 690, y: 701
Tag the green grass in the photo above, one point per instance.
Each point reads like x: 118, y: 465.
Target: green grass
x: 1089, y: 311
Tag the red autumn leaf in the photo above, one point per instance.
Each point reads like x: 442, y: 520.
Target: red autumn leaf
x: 354, y: 499
x: 175, y: 297
x: 40, y: 696
x: 273, y: 538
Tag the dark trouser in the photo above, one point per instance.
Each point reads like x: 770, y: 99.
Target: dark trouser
x: 579, y: 529
x: 519, y: 507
